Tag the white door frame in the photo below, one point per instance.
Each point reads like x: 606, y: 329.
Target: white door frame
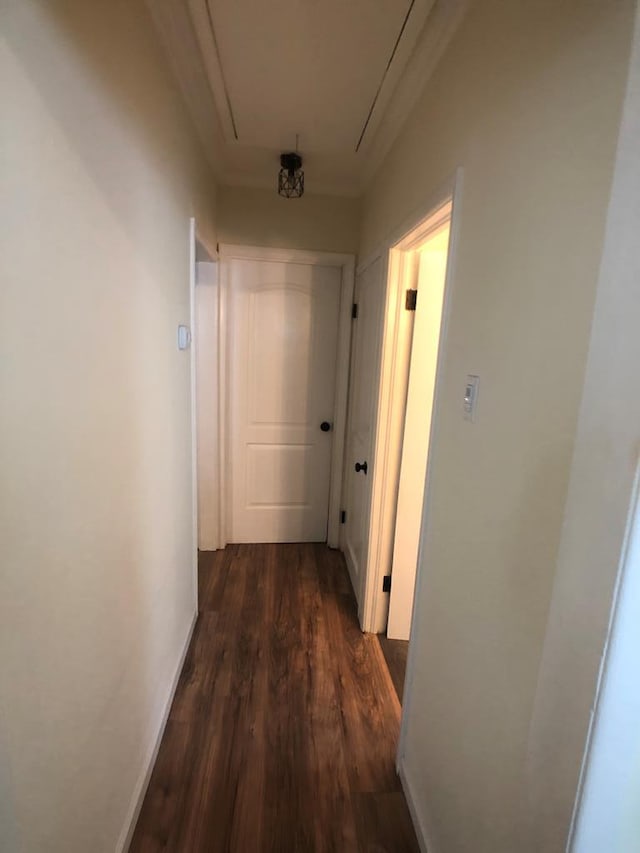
x: 392, y: 394
x: 453, y: 191
x: 195, y: 237
x: 346, y: 263
x: 205, y: 341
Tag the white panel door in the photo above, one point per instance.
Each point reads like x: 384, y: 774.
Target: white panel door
x: 283, y: 322
x: 364, y: 384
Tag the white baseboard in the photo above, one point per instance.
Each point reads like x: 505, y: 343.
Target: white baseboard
x: 142, y: 784
x: 419, y: 824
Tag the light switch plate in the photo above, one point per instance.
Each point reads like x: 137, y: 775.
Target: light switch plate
x: 470, y: 397
x: 184, y: 337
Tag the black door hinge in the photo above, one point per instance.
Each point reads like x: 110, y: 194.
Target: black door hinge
x: 411, y: 300
x: 386, y: 583
x: 354, y: 311
x: 343, y: 516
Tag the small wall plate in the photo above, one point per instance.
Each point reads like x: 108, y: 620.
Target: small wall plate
x: 470, y: 397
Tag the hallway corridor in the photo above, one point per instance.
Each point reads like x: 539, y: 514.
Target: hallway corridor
x: 283, y: 730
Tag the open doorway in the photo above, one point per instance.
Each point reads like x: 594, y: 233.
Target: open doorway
x: 429, y: 262
x: 422, y: 266
x: 409, y: 326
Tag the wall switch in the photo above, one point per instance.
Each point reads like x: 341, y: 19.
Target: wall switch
x: 470, y: 397
x: 184, y: 337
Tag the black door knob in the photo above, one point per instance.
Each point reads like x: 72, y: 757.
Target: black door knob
x: 361, y: 466
x: 325, y: 426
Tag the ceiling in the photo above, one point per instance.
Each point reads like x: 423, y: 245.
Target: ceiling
x: 338, y: 76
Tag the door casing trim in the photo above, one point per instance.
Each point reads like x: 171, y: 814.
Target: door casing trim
x: 195, y: 237
x: 389, y: 411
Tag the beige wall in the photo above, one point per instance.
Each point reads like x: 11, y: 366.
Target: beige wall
x: 599, y: 511
x: 256, y: 217
x: 99, y: 176
x: 528, y: 101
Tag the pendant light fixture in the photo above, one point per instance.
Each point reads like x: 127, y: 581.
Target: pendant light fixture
x: 291, y: 175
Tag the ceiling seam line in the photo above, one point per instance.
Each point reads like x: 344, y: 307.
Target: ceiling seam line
x: 222, y: 75
x: 384, y: 76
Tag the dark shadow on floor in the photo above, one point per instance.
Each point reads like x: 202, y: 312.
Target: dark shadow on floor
x: 395, y: 654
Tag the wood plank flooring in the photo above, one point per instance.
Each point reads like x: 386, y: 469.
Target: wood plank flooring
x: 283, y: 730
x: 395, y: 654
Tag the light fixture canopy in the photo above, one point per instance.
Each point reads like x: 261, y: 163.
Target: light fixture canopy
x: 291, y: 176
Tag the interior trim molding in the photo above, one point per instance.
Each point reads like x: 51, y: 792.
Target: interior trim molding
x: 186, y: 35
x: 175, y: 30
x: 442, y: 23
x: 200, y: 14
x: 140, y: 790
x: 385, y: 74
x: 294, y: 256
x: 223, y: 78
x: 425, y: 842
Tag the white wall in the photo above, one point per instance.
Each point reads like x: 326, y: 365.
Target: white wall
x: 256, y: 217
x: 528, y: 101
x: 99, y: 175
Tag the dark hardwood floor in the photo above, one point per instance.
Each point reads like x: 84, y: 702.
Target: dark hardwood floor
x: 282, y: 734
x: 395, y: 654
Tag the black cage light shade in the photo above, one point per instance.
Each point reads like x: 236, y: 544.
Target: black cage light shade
x: 291, y: 176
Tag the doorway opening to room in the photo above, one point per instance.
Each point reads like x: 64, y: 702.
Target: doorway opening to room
x: 411, y: 319
x: 422, y: 262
